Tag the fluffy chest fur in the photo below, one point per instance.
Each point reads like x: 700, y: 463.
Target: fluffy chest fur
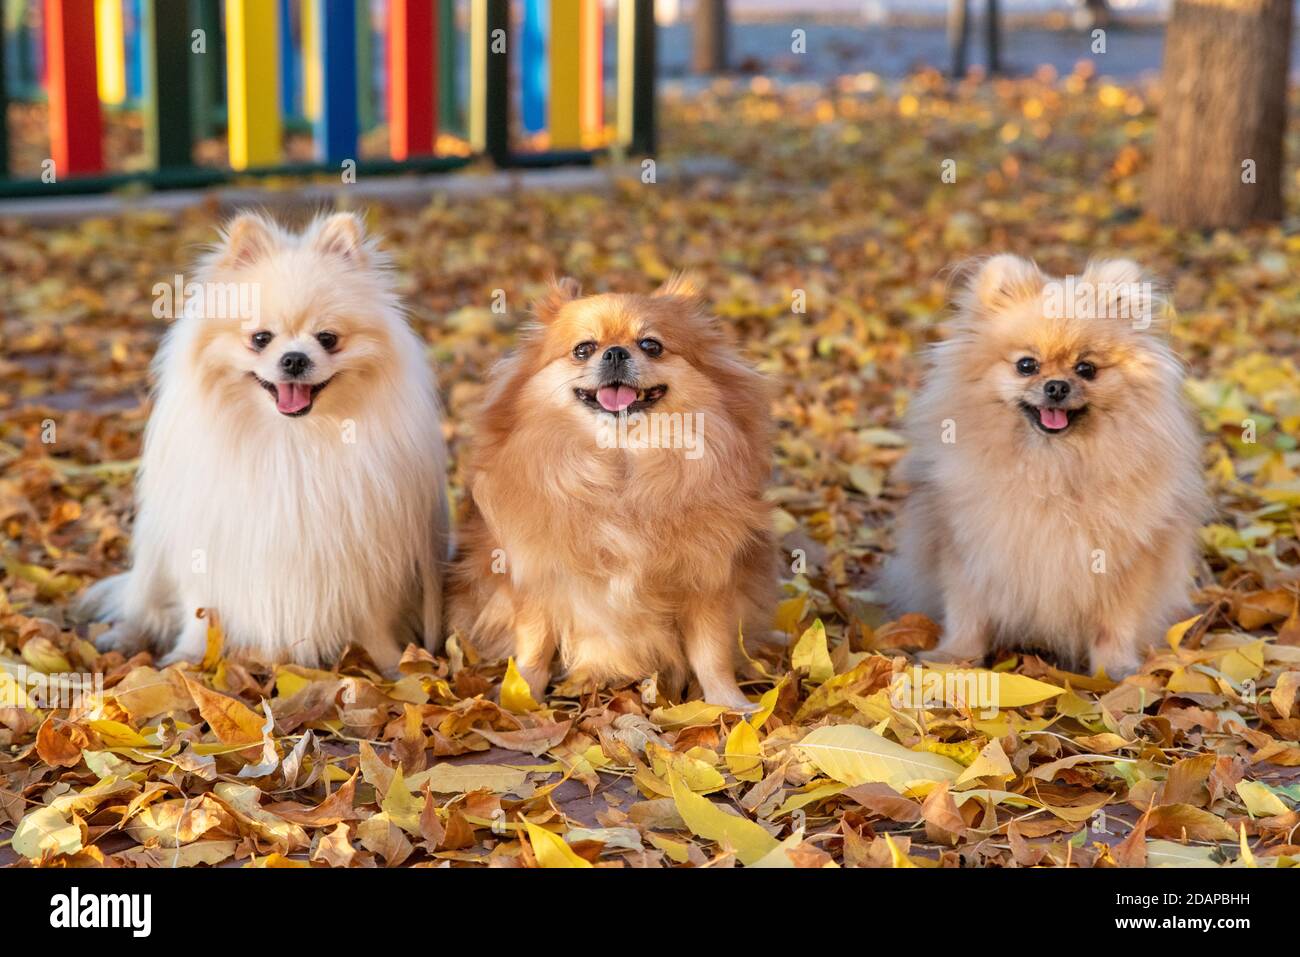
x: 613, y: 543
x: 1055, y: 539
x: 295, y: 532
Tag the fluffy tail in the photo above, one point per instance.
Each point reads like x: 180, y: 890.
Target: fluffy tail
x: 103, y: 600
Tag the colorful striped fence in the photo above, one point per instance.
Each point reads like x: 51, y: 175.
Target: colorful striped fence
x: 260, y: 68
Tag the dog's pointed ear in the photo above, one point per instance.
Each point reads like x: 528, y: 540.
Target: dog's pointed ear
x: 682, y: 288
x: 1114, y: 272
x: 1005, y: 279
x: 1122, y: 291
x: 559, y: 292
x: 679, y: 284
x: 340, y: 234
x: 248, y: 238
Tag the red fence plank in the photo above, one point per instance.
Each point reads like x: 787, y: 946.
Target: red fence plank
x: 76, y: 130
x: 412, y: 99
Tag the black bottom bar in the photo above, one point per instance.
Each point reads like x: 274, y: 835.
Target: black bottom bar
x: 1219, y: 906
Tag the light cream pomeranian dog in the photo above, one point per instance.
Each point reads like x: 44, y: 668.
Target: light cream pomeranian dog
x: 293, y: 473
x: 1056, y: 486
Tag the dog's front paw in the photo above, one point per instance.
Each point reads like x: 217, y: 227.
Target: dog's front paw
x: 1116, y: 654
x: 178, y: 657
x: 938, y: 656
x: 123, y: 639
x: 731, y: 698
x: 1116, y: 667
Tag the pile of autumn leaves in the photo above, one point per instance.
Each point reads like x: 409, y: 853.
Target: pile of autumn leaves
x: 848, y: 761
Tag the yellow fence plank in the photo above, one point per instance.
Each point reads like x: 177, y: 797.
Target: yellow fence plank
x: 565, y: 65
x: 110, y: 51
x: 253, y: 83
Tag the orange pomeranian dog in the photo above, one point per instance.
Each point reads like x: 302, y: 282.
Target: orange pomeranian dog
x: 1055, y: 469
x: 616, y: 516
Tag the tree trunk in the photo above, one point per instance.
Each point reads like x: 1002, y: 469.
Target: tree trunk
x: 958, y: 36
x: 710, y: 41
x: 1098, y: 13
x: 993, y: 35
x: 1218, y: 150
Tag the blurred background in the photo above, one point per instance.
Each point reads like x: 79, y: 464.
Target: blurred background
x: 895, y: 37
x: 818, y: 41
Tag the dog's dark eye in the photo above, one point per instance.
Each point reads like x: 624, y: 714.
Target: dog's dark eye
x: 1085, y: 370
x: 651, y: 347
x: 1027, y: 366
x: 261, y: 340
x: 584, y: 350
x: 328, y: 341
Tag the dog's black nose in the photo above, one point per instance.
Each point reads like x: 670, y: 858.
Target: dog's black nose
x: 1056, y: 390
x: 294, y: 363
x: 615, y: 354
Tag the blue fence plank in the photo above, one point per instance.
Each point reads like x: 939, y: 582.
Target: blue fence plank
x: 135, y: 51
x: 533, y: 70
x: 337, y: 128
x: 290, y: 64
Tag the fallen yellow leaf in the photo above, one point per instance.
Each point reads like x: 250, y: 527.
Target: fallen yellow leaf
x: 550, y: 849
x: 1260, y: 800
x: 812, y: 655
x: 515, y: 694
x: 230, y: 720
x: 45, y: 829
x: 744, y: 753
x: 748, y: 840
x: 1174, y: 636
x: 852, y: 755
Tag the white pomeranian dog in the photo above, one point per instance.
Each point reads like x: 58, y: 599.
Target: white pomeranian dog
x: 293, y: 476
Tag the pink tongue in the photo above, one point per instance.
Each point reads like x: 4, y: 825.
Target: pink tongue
x: 1053, y: 418
x: 292, y: 397
x: 615, y: 398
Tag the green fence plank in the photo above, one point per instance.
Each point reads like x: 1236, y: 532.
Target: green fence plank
x: 207, y: 86
x: 497, y: 142
x: 643, y: 139
x: 366, y: 117
x: 168, y: 131
x: 4, y: 108
x: 451, y: 115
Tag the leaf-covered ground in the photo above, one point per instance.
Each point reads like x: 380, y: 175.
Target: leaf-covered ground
x: 839, y: 195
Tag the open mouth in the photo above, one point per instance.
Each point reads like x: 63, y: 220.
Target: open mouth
x: 292, y: 398
x: 1051, y: 419
x: 619, y: 397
